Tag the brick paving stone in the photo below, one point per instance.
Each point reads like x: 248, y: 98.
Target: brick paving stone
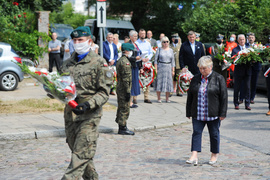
x: 155, y: 154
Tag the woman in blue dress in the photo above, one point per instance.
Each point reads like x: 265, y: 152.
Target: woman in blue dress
x: 136, y: 67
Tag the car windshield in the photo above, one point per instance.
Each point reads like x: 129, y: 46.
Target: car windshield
x: 62, y: 33
x: 121, y: 32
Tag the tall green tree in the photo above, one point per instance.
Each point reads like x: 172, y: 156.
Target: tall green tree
x: 66, y: 15
x: 40, y: 5
x: 157, y: 15
x: 212, y: 17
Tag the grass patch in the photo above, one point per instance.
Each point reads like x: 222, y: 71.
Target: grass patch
x: 38, y: 106
x: 31, y: 106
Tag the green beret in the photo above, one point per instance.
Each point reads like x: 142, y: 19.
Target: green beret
x: 80, y: 32
x: 127, y: 47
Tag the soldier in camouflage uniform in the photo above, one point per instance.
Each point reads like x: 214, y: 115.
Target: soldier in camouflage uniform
x: 93, y: 80
x: 176, y: 45
x: 124, y: 82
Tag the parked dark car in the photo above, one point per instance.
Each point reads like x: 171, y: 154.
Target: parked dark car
x: 261, y: 83
x: 10, y: 73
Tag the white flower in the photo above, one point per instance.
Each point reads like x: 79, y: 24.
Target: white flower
x: 32, y: 69
x: 44, y: 71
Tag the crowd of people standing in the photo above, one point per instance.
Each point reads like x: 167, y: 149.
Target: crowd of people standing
x: 207, y: 96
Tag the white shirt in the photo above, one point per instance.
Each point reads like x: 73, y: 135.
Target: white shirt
x: 242, y: 47
x: 66, y: 54
x: 192, y: 47
x: 112, y: 53
x: 159, y: 44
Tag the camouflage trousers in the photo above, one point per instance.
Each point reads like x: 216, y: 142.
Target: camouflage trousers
x: 82, y: 140
x: 122, y: 110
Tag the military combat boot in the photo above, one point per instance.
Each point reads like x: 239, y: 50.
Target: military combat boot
x: 125, y: 131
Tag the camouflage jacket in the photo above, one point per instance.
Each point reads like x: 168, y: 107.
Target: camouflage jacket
x: 176, y: 51
x: 124, y: 75
x: 93, y: 79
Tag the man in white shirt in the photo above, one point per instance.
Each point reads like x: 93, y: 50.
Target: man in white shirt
x: 145, y: 47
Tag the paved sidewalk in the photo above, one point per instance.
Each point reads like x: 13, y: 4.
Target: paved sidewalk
x: 146, y: 116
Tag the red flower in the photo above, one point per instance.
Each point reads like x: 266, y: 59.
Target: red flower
x: 14, y: 17
x: 15, y: 3
x: 24, y: 13
x: 24, y: 16
x: 19, y: 15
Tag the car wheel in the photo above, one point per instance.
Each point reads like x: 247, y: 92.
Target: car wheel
x: 8, y: 81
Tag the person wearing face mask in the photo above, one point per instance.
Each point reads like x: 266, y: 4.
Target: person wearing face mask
x: 230, y: 45
x: 198, y: 40
x: 93, y: 79
x: 123, y: 88
x: 175, y: 46
x: 218, y: 48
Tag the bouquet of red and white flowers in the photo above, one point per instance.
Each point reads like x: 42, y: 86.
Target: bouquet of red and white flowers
x: 184, y: 80
x: 247, y: 56
x: 154, y: 50
x: 61, y: 87
x: 147, y: 77
x: 113, y: 69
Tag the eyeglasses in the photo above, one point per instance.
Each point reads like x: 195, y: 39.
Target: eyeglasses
x: 165, y: 41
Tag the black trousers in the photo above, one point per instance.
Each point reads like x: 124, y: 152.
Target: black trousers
x: 54, y: 58
x: 239, y: 77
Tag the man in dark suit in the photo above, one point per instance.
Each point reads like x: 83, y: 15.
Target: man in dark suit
x: 242, y: 73
x: 255, y: 70
x: 190, y: 53
x: 110, y: 50
x: 110, y: 54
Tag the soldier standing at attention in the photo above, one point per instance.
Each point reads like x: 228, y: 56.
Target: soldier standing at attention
x: 123, y: 88
x: 93, y: 80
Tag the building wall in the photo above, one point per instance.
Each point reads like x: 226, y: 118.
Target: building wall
x: 80, y: 6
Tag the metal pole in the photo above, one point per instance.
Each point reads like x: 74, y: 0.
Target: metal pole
x: 101, y: 41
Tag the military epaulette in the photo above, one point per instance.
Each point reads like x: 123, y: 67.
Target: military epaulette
x: 128, y: 64
x: 105, y: 64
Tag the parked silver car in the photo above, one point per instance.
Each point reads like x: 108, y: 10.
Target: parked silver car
x: 10, y: 73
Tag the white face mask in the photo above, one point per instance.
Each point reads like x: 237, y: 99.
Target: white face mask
x: 82, y: 48
x: 129, y: 54
x: 231, y: 39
